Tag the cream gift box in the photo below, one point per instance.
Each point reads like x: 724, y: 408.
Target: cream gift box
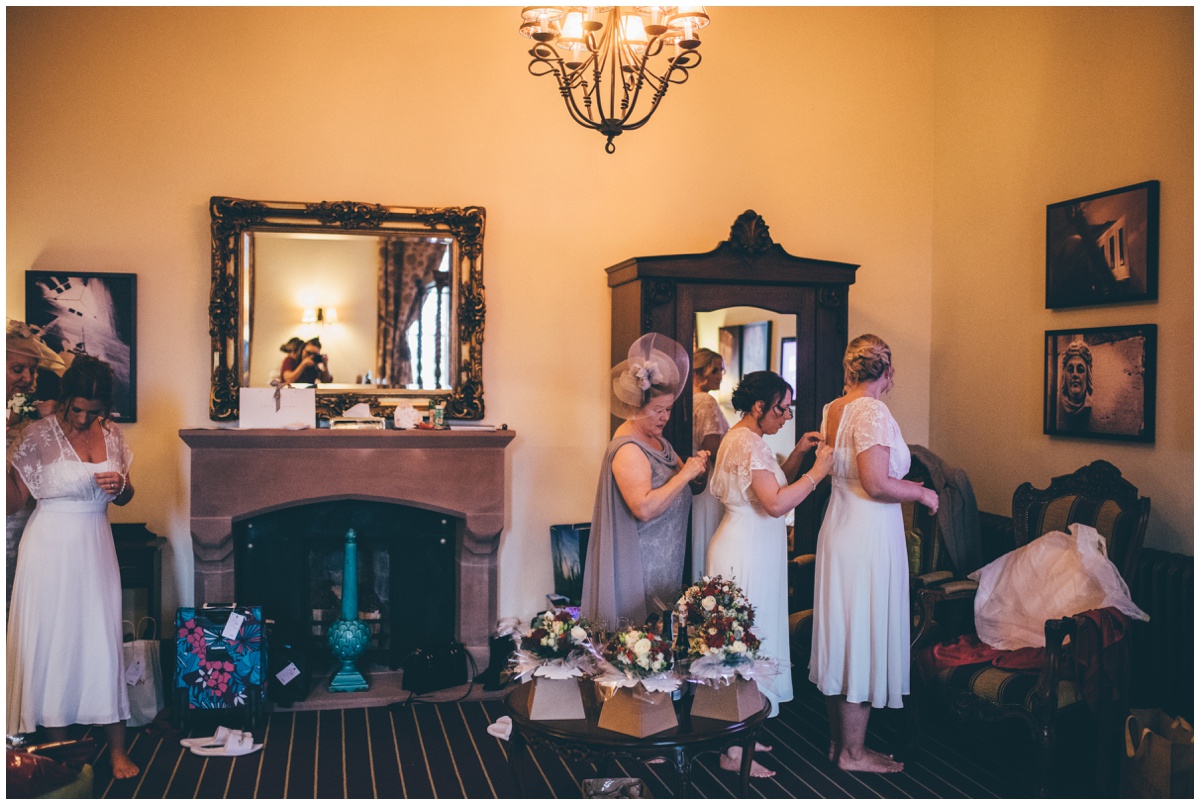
x: 277, y: 407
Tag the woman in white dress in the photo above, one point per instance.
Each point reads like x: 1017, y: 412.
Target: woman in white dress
x: 708, y: 427
x: 750, y: 544
x: 861, y: 611
x: 64, y: 630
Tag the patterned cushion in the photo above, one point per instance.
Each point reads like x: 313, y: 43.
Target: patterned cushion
x: 1003, y: 687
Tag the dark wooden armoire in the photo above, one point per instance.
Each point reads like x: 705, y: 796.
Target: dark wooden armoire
x: 663, y: 294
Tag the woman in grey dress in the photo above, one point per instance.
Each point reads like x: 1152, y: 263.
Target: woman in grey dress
x: 634, y: 564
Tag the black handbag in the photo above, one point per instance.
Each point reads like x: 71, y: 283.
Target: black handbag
x: 435, y: 668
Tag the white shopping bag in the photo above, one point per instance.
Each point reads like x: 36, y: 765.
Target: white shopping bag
x: 143, y: 677
x: 278, y: 407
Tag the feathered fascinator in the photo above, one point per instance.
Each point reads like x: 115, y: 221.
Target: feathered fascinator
x: 20, y: 339
x: 656, y: 366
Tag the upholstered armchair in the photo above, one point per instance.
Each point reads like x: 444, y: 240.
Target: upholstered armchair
x: 1075, y: 652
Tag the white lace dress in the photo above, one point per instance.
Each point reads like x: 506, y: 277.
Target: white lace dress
x: 64, y: 628
x: 750, y: 546
x: 707, y: 511
x: 861, y: 606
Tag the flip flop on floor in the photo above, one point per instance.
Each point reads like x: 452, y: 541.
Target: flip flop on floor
x: 239, y: 744
x: 222, y: 735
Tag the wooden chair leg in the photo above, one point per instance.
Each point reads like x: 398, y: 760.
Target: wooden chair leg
x: 1045, y: 755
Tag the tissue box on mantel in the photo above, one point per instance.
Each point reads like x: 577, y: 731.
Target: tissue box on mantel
x: 296, y: 408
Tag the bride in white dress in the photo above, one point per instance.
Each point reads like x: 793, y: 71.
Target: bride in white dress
x: 861, y: 618
x: 750, y: 544
x: 64, y: 629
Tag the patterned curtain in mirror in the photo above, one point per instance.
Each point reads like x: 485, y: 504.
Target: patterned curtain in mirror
x: 407, y: 267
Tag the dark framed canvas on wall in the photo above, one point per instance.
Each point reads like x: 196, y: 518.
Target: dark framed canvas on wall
x: 84, y: 312
x: 756, y: 347
x: 729, y: 344
x: 1100, y: 382
x: 1103, y: 248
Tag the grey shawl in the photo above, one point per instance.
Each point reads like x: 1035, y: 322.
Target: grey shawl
x: 958, y: 514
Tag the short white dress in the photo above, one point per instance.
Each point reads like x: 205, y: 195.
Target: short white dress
x: 861, y: 612
x: 707, y: 511
x: 750, y: 546
x: 64, y: 628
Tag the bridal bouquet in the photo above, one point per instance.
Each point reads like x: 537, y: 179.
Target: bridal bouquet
x: 718, y: 618
x: 20, y: 408
x: 638, y: 655
x: 554, y: 647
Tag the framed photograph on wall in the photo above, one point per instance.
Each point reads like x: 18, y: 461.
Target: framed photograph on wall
x: 756, y: 347
x: 729, y: 344
x: 1103, y: 248
x: 787, y: 360
x: 1100, y: 382
x: 94, y: 314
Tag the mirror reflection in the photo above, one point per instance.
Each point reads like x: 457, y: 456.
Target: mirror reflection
x: 350, y: 311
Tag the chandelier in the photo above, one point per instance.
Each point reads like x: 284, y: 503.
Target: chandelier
x: 605, y: 58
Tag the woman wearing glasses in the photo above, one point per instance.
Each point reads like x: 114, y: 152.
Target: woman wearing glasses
x: 750, y: 544
x: 860, y: 656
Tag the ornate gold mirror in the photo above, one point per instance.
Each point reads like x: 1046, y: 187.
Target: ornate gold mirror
x: 393, y: 297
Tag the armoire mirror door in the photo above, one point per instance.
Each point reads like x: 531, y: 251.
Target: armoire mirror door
x: 663, y: 293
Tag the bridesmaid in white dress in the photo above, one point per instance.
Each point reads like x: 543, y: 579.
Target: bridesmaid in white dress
x: 861, y: 611
x: 709, y: 426
x: 750, y: 545
x: 64, y: 630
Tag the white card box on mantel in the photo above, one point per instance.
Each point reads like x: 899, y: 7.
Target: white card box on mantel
x: 257, y: 408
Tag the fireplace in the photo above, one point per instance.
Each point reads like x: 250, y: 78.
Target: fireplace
x: 450, y: 484
x: 291, y: 561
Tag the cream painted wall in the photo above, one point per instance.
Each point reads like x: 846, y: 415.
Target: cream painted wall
x: 1034, y: 106
x: 123, y: 122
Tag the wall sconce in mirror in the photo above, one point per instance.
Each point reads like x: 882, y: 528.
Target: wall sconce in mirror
x: 319, y: 315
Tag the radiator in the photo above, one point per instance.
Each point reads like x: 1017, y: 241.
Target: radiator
x: 1163, y: 661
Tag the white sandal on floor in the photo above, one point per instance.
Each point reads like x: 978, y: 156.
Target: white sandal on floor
x: 241, y: 743
x: 222, y: 735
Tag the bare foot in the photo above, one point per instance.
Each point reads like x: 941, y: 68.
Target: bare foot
x: 868, y: 760
x: 122, y: 767
x: 761, y: 747
x: 732, y: 761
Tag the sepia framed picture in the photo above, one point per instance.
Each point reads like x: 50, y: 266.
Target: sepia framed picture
x: 1100, y: 382
x: 787, y: 360
x: 729, y: 344
x: 1103, y: 248
x: 90, y: 313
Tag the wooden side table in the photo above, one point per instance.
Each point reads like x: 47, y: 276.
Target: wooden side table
x: 582, y: 739
x: 139, y: 555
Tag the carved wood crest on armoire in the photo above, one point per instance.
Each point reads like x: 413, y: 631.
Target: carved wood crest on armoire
x: 663, y: 294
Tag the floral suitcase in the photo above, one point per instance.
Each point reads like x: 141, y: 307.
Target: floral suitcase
x: 219, y: 668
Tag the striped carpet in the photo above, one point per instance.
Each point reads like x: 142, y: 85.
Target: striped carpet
x: 443, y: 751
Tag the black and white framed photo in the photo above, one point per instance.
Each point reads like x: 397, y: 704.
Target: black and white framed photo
x: 756, y: 347
x: 1103, y: 248
x: 787, y: 360
x: 1100, y: 382
x: 90, y: 313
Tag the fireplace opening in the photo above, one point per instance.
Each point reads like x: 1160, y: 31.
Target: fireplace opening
x: 291, y: 561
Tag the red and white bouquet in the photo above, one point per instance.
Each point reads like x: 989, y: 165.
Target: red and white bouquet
x: 555, y: 647
x: 635, y: 655
x: 718, y: 618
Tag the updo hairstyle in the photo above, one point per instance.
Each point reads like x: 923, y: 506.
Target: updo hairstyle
x: 765, y: 387
x: 87, y: 378
x: 867, y: 358
x: 705, y: 362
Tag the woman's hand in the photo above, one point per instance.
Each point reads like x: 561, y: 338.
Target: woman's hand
x: 112, y: 483
x: 809, y: 440
x: 695, y: 466
x: 823, y: 463
x: 929, y: 499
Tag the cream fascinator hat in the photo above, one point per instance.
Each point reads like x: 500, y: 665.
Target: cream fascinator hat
x: 656, y: 366
x: 20, y: 339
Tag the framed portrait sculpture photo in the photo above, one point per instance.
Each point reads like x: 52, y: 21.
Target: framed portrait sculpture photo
x: 1100, y: 382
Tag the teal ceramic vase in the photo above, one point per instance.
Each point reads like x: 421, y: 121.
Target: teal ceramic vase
x: 348, y: 636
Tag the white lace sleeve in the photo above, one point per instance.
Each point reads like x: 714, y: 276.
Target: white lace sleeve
x: 707, y: 419
x: 34, y: 450
x: 741, y: 453
x: 873, y: 424
x: 119, y: 454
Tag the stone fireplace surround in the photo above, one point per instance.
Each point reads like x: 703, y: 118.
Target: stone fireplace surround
x: 237, y: 474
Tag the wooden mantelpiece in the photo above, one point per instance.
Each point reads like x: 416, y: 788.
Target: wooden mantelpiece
x: 238, y: 474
